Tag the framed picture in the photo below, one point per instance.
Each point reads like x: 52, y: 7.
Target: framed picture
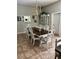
x: 18, y: 18
x: 27, y: 19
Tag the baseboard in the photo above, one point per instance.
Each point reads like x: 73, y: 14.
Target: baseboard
x: 21, y: 32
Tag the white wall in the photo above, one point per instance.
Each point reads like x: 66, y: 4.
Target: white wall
x: 53, y: 8
x: 27, y: 11
x: 23, y: 11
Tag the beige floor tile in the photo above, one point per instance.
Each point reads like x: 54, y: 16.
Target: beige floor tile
x: 29, y: 53
x: 35, y: 57
x: 37, y: 50
x: 20, y: 56
x: 25, y: 50
x: 19, y: 49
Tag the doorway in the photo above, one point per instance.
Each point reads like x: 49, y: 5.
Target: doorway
x: 56, y: 23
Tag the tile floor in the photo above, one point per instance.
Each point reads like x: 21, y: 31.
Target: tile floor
x: 25, y: 50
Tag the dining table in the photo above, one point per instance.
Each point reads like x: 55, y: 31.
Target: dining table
x: 40, y: 31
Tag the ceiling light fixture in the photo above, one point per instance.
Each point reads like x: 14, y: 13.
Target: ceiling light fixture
x: 36, y: 7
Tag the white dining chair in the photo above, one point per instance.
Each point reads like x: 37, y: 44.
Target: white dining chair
x: 44, y: 40
x: 34, y: 37
x: 28, y: 33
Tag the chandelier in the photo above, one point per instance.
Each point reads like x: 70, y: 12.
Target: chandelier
x: 36, y: 9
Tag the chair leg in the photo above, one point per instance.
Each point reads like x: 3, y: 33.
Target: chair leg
x: 46, y: 46
x: 40, y: 44
x: 33, y: 42
x: 55, y: 57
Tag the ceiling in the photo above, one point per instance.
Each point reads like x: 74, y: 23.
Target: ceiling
x: 33, y: 2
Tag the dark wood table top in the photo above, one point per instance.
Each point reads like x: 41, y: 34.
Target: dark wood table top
x: 39, y: 32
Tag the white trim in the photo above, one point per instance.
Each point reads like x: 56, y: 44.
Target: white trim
x: 21, y: 32
x: 55, y: 12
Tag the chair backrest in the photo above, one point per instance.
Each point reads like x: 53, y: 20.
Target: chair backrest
x: 31, y: 32
x: 44, y: 38
x: 28, y: 31
x: 57, y: 42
